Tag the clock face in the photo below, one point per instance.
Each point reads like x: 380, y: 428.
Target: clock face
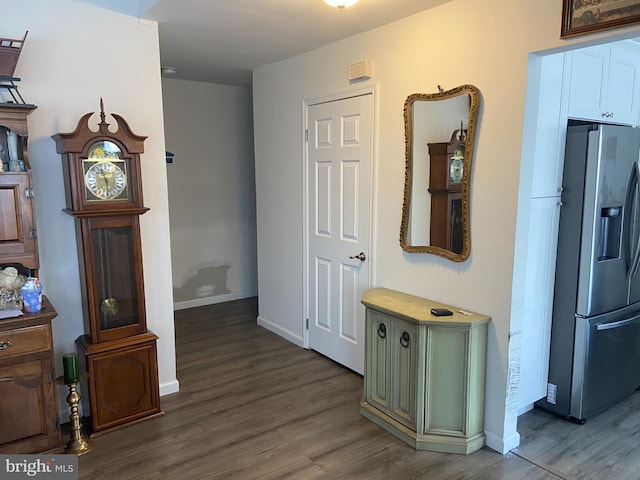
x: 105, y: 173
x: 105, y: 180
x: 456, y: 168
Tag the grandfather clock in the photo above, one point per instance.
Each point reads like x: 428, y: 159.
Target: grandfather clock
x: 104, y: 194
x: 446, y: 169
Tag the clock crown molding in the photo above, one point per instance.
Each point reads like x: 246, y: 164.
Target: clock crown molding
x: 75, y: 142
x: 91, y: 190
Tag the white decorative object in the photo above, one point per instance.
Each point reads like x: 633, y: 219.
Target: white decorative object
x: 12, y: 143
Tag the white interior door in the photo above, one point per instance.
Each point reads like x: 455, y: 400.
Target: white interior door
x: 339, y: 206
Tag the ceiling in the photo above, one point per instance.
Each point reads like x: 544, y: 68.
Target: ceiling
x: 222, y: 41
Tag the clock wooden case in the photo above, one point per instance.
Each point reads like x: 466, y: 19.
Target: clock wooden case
x: 446, y: 170
x: 103, y: 190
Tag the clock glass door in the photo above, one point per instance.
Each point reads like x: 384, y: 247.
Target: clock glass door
x: 455, y: 227
x: 118, y: 300
x: 116, y: 286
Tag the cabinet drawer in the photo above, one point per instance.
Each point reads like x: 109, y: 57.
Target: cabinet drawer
x: 24, y: 340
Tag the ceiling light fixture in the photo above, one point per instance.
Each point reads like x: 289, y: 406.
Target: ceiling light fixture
x: 341, y: 4
x: 168, y: 70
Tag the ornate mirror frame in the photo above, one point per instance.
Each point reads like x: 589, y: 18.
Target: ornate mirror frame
x: 474, y: 107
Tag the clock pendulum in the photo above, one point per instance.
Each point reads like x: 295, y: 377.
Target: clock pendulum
x: 109, y: 305
x: 103, y: 188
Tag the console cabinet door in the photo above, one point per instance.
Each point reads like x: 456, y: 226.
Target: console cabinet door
x: 391, y: 366
x: 404, y: 359
x: 377, y: 360
x: 28, y: 410
x: 17, y: 232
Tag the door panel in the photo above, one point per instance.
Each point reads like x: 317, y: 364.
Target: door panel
x: 605, y: 361
x: 603, y: 264
x: 338, y: 185
x: 350, y: 306
x: 16, y: 215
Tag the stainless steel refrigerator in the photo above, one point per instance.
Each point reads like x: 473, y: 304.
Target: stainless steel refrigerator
x: 595, y: 335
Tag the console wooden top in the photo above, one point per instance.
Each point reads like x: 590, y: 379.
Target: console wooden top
x: 417, y: 309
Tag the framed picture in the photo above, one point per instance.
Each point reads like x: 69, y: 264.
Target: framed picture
x: 586, y: 16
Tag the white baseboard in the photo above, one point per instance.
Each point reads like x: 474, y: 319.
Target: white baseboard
x: 500, y: 444
x: 525, y: 409
x: 170, y: 387
x: 201, y: 302
x: 283, y: 332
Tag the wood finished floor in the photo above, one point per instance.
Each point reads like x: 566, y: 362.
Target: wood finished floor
x: 254, y: 406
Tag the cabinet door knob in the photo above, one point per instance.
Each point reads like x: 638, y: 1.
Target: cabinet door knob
x: 404, y: 339
x: 5, y: 344
x: 382, y: 330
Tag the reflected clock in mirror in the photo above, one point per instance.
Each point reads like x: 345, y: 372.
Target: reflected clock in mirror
x: 439, y: 140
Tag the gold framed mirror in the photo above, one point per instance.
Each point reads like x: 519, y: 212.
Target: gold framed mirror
x: 439, y: 145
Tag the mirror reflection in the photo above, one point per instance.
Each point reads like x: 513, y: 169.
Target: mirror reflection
x: 439, y: 137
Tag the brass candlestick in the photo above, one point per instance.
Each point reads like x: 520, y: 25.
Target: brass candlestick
x: 77, y: 445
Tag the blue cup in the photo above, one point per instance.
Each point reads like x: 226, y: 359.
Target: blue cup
x: 32, y: 298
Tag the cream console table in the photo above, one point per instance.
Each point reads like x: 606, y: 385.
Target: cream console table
x: 424, y: 375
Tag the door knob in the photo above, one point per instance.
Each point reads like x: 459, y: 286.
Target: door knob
x: 361, y: 256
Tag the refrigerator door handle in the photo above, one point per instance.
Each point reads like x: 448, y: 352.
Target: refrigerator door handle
x: 633, y: 237
x: 618, y: 324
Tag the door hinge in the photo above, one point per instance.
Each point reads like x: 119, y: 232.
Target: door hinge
x: 307, y: 324
x: 52, y: 374
x: 56, y: 425
x: 306, y: 135
x: 29, y: 193
x: 33, y: 234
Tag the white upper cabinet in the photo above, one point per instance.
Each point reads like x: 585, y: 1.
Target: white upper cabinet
x: 604, y: 83
x: 551, y: 129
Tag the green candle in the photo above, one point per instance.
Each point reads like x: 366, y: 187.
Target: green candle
x: 70, y: 366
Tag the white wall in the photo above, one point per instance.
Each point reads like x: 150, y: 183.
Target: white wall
x: 211, y: 192
x: 456, y: 43
x: 74, y: 55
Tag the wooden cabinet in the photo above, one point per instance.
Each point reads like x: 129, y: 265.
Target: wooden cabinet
x: 424, y: 375
x: 29, y: 420
x: 17, y: 220
x: 29, y: 407
x: 123, y: 381
x: 604, y: 83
